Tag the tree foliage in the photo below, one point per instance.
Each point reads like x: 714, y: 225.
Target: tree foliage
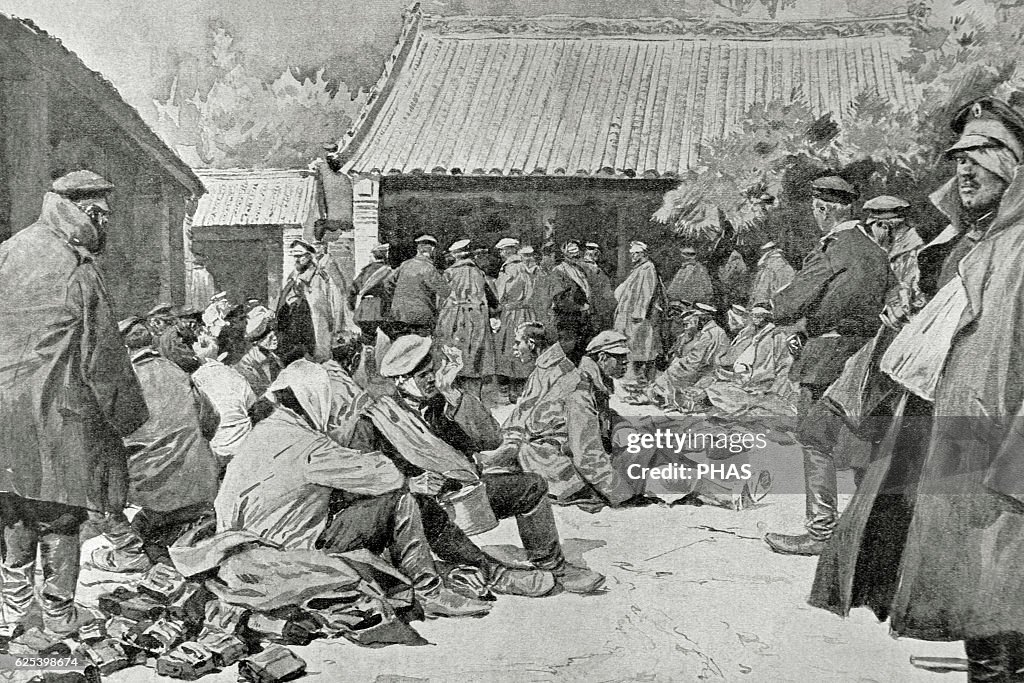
x: 241, y: 120
x: 955, y: 56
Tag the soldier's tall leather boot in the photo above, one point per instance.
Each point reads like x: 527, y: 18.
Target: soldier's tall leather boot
x: 17, y: 571
x: 822, y: 505
x: 59, y: 553
x: 539, y: 535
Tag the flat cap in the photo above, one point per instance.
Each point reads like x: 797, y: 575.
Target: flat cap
x: 259, y: 321
x: 989, y: 122
x: 609, y: 341
x: 405, y: 354
x: 219, y: 296
x: 571, y: 247
x: 526, y: 251
x: 128, y: 323
x: 82, y: 184
x: 706, y: 308
x: 833, y: 189
x: 380, y: 249
x: 887, y: 206
x: 459, y: 247
x: 637, y: 246
x: 592, y: 245
x: 161, y: 309
x: 741, y: 310
x: 506, y: 242
x: 426, y: 239
x: 768, y: 245
x: 763, y: 309
x: 301, y: 247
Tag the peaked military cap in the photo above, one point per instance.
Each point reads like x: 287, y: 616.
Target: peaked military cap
x: 833, y: 189
x: 609, y: 341
x: 989, y: 122
x: 405, y: 355
x: 82, y: 184
x: 886, y: 206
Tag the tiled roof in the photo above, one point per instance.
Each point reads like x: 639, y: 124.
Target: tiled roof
x: 46, y: 51
x: 604, y: 97
x: 240, y: 197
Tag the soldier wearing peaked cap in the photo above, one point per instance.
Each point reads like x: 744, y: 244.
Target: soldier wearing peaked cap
x: 692, y: 282
x: 771, y: 273
x: 886, y: 218
x: 415, y: 290
x: 514, y: 288
x: 555, y: 429
x: 436, y: 435
x: 840, y: 292
x: 260, y: 365
x: 464, y: 318
x: 368, y: 298
x: 571, y: 302
x: 310, y: 308
x: 932, y: 558
x: 173, y: 337
x: 699, y: 347
x: 640, y: 301
x: 602, y: 293
x: 68, y: 394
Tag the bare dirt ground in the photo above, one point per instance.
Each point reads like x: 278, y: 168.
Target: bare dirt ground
x: 693, y: 594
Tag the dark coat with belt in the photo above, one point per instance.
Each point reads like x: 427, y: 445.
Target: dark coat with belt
x: 67, y: 389
x: 416, y: 289
x: 368, y: 295
x: 840, y: 291
x: 935, y: 533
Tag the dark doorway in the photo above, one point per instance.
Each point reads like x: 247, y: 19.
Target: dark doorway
x: 239, y: 267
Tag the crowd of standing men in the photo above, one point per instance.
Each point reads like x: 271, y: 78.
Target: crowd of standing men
x: 897, y: 356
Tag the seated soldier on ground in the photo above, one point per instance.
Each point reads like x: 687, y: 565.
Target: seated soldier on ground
x: 280, y: 484
x: 431, y: 426
x: 757, y: 382
x: 172, y: 473
x: 694, y: 366
x: 555, y: 428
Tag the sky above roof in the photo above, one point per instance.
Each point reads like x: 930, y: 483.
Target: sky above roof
x: 139, y: 44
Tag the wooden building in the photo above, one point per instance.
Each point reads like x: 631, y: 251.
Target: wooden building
x: 243, y: 225
x: 485, y: 126
x: 56, y: 116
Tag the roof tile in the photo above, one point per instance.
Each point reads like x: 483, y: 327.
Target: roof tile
x: 505, y: 102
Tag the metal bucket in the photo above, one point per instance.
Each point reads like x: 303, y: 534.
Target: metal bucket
x: 470, y: 509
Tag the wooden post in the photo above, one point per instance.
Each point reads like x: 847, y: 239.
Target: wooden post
x: 625, y: 225
x: 365, y: 219
x: 278, y: 265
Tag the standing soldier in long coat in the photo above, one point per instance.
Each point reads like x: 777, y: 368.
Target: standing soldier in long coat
x: 641, y: 299
x: 67, y: 395
x: 416, y: 290
x: 543, y: 281
x: 933, y: 539
x: 311, y: 308
x: 368, y: 299
x: 571, y: 311
x: 771, y: 274
x: 465, y: 318
x: 840, y: 292
x: 602, y: 295
x: 514, y: 289
x: 691, y: 283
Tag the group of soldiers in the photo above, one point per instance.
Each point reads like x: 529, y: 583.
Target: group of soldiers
x: 899, y: 357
